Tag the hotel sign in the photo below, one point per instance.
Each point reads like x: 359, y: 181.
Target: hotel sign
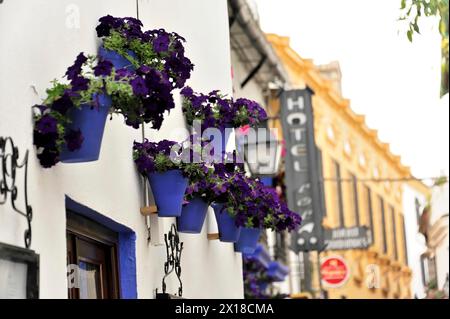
x: 302, y: 171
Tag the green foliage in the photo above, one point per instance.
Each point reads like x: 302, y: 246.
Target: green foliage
x: 412, y: 10
x: 55, y: 92
x: 440, y: 181
x: 164, y: 163
x: 143, y: 50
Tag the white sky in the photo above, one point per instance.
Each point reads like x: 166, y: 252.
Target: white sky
x: 393, y: 82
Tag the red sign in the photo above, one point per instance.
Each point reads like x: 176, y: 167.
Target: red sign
x: 334, y: 271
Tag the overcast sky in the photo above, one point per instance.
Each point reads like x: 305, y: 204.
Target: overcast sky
x: 393, y: 82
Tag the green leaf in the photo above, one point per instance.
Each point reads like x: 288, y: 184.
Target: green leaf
x: 409, y: 35
x: 403, y: 4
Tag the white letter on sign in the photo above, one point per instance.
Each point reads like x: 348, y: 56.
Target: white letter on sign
x: 296, y: 119
x: 292, y: 103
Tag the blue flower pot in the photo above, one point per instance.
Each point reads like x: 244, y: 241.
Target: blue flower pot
x: 277, y: 271
x: 228, y: 231
x: 91, y: 121
x: 193, y: 216
x: 260, y: 254
x: 267, y: 181
x: 248, y: 239
x: 118, y: 60
x: 168, y: 191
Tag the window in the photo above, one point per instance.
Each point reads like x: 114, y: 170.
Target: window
x: 347, y: 148
x: 92, y: 255
x: 330, y: 132
x: 362, y: 160
x: 338, y: 193
x: 321, y: 185
x: 394, y: 232
x: 369, y: 210
x: 428, y: 270
x: 355, y: 199
x: 405, y: 248
x: 383, y: 223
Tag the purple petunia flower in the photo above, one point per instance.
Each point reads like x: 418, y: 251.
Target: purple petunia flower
x: 103, y: 68
x: 143, y: 69
x: 187, y: 92
x: 74, y: 139
x: 63, y: 104
x: 139, y: 86
x: 47, y: 124
x: 161, y: 43
x: 48, y: 157
x: 122, y: 73
x: 79, y: 83
x: 44, y: 140
x: 74, y: 70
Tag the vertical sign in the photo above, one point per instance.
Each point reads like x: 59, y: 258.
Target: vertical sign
x: 302, y: 176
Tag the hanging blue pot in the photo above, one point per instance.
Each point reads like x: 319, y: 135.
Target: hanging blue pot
x: 118, y: 60
x: 228, y: 231
x: 260, y: 254
x: 193, y: 216
x: 277, y: 271
x: 168, y: 191
x: 248, y: 239
x: 267, y: 181
x: 90, y: 120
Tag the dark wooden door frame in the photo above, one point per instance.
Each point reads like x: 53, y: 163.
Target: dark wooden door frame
x: 82, y: 228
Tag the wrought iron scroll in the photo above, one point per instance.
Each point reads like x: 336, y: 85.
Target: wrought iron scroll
x: 9, y: 165
x: 173, y: 251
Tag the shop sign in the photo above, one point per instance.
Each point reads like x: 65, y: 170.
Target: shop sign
x: 334, y: 271
x: 358, y: 237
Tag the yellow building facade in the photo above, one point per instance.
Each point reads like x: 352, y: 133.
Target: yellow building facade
x: 354, y: 161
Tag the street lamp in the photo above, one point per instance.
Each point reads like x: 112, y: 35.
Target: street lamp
x: 261, y: 149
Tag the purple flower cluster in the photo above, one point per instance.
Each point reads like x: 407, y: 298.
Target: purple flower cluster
x: 45, y: 137
x: 256, y: 205
x: 249, y: 113
x: 256, y: 280
x: 129, y: 27
x: 215, y: 110
x: 145, y: 155
x: 152, y: 96
x: 51, y: 118
x: 248, y: 199
x: 215, y: 184
x: 167, y: 47
x: 166, y: 155
x: 170, y: 49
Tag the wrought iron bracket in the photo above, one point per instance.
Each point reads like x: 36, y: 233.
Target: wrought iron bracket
x: 9, y: 165
x: 173, y: 251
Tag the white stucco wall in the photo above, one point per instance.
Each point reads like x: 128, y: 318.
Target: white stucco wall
x: 251, y: 90
x: 38, y: 40
x: 415, y: 241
